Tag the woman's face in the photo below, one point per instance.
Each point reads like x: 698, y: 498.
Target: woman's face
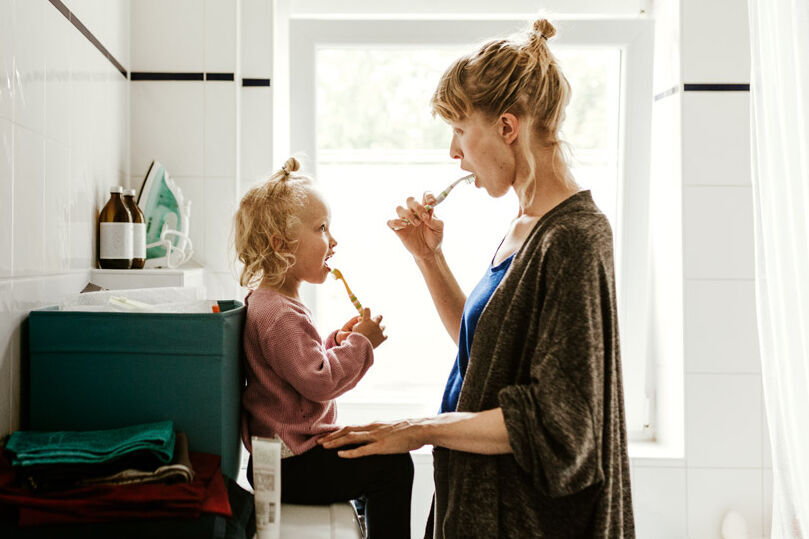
x: 315, y: 242
x: 484, y: 148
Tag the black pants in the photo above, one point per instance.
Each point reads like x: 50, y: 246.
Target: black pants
x: 321, y: 477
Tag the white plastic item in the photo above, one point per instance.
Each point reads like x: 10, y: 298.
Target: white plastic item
x: 267, y: 486
x: 734, y: 526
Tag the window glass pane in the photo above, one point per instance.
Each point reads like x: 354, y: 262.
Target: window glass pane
x: 377, y: 144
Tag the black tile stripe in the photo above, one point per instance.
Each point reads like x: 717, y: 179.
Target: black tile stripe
x: 218, y: 76
x: 142, y: 75
x: 716, y: 87
x: 86, y: 33
x: 255, y: 82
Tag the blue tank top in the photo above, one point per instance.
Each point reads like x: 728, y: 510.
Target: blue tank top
x: 474, y: 305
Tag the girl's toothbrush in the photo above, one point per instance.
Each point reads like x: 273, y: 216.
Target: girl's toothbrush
x: 443, y: 194
x: 351, y: 296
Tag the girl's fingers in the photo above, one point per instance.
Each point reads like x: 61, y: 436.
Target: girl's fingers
x: 366, y: 313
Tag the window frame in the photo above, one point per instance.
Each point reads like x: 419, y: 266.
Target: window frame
x: 632, y: 35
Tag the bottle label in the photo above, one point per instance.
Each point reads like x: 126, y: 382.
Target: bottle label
x: 115, y: 241
x: 139, y: 240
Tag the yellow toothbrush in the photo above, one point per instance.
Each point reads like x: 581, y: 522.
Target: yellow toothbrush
x: 351, y: 296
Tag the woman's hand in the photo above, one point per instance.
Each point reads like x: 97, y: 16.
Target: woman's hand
x: 371, y: 328
x: 416, y: 227
x: 377, y: 438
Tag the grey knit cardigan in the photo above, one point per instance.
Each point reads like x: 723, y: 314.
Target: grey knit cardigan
x: 546, y: 351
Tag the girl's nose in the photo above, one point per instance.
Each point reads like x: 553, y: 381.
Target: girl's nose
x: 332, y: 241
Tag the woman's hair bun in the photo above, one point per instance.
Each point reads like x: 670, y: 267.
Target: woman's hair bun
x: 290, y: 166
x: 544, y: 28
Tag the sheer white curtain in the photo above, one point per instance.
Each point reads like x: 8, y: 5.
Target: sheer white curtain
x: 779, y: 36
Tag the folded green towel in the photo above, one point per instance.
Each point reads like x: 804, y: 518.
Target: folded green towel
x: 33, y: 447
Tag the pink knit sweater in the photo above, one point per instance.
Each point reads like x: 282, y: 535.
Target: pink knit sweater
x: 292, y: 376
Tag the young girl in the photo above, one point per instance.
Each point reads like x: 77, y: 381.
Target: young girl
x: 282, y: 237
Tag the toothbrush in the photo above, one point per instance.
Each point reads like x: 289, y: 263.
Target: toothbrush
x: 351, y: 296
x: 469, y: 178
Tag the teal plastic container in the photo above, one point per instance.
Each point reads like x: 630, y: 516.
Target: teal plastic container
x: 91, y: 371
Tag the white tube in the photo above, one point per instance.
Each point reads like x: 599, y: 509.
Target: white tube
x: 267, y: 485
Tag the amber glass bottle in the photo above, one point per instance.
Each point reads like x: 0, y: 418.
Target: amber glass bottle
x: 115, y: 233
x: 138, y: 230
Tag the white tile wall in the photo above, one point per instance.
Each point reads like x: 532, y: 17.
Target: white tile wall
x: 220, y: 128
x: 715, y: 41
x: 6, y: 196
x: 720, y: 327
x: 29, y: 64
x: 29, y: 198
x: 256, y: 136
x: 105, y: 19
x: 256, y: 29
x: 63, y: 141
x: 658, y: 497
x: 220, y: 205
x: 723, y: 420
x: 718, y: 230
x: 167, y: 125
x: 220, y: 36
x: 766, y: 500
x: 56, y: 233
x: 6, y: 59
x: 713, y: 492
x: 57, y: 74
x: 716, y: 131
x: 167, y: 35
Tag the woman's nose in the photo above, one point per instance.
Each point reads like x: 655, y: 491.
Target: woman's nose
x: 455, y: 150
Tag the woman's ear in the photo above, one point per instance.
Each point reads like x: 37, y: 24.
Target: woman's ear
x: 509, y: 127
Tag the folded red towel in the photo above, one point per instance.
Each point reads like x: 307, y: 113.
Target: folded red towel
x: 100, y: 503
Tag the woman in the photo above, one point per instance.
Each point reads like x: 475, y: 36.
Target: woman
x: 537, y: 446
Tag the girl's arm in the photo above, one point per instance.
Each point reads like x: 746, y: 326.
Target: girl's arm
x: 481, y: 432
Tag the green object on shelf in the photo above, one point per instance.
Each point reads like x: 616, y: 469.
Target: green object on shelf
x: 93, y: 446
x: 93, y: 371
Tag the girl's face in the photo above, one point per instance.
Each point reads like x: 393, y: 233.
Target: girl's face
x: 484, y: 148
x: 315, y: 243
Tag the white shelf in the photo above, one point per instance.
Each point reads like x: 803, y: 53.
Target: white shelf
x: 112, y: 279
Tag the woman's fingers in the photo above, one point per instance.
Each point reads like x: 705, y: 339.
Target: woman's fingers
x: 361, y: 451
x: 398, y: 224
x: 407, y: 215
x: 416, y: 209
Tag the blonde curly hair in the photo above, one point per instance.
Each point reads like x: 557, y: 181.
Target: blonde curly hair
x: 267, y: 211
x: 518, y: 75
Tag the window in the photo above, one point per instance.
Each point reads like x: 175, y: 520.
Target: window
x: 360, y: 111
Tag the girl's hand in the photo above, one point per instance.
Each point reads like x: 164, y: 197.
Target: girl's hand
x: 345, y: 331
x: 377, y: 438
x: 371, y: 327
x: 416, y: 227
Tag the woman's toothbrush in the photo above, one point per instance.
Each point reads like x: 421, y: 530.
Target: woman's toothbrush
x: 469, y: 178
x: 443, y: 194
x: 351, y: 296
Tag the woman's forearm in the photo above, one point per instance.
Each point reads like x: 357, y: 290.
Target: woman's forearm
x: 481, y: 432
x: 447, y: 295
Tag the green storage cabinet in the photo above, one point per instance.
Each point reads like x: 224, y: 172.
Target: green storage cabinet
x: 92, y: 371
